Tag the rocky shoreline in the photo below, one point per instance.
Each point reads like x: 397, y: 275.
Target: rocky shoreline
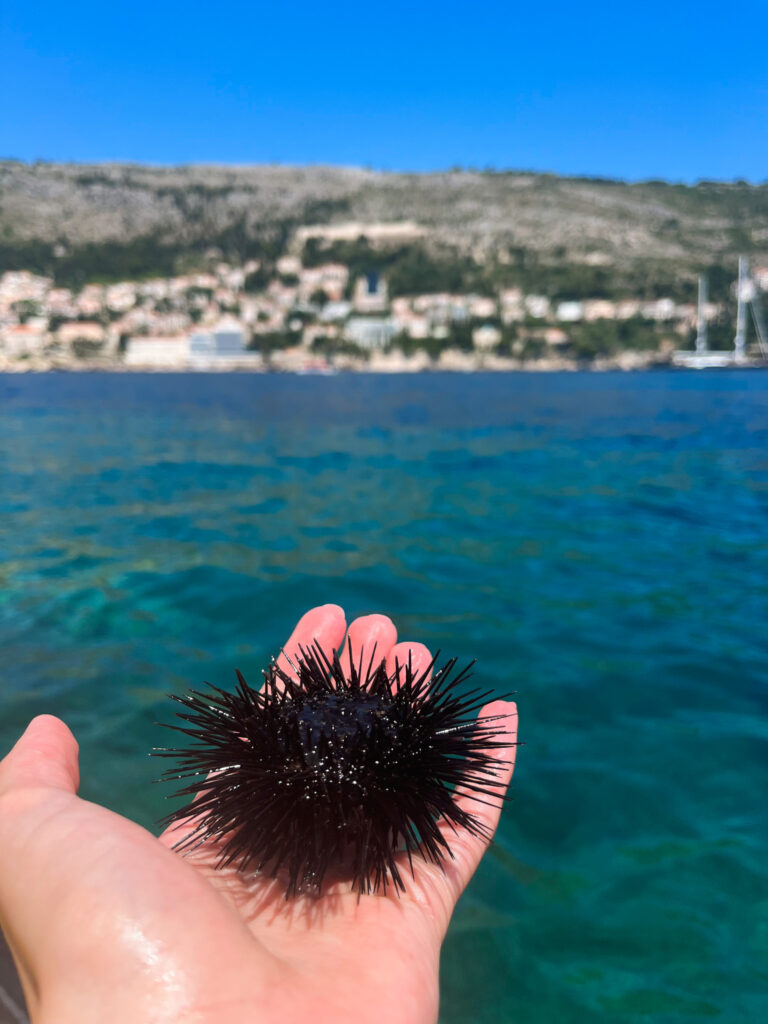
x: 451, y: 360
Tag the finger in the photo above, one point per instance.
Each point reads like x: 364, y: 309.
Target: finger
x: 45, y: 757
x: 402, y: 654
x: 325, y: 625
x: 468, y: 849
x: 371, y: 639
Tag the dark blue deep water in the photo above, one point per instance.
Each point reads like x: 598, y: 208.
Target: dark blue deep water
x: 598, y: 542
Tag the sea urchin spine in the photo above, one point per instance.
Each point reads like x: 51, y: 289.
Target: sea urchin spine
x: 337, y: 770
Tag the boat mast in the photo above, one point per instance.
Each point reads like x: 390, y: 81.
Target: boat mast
x: 701, y: 317
x: 757, y: 319
x: 740, y: 341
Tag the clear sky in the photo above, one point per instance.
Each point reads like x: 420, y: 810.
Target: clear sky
x: 640, y: 89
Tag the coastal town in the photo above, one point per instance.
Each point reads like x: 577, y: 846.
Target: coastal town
x: 305, y: 315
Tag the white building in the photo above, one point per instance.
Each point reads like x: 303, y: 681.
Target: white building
x: 486, y: 337
x: 60, y: 302
x: 369, y: 332
x: 22, y: 340
x: 569, y: 312
x: 335, y: 311
x: 511, y: 305
x: 627, y: 308
x: 120, y: 297
x: 415, y: 325
x: 158, y: 351
x: 226, y: 339
x: 21, y: 285
x: 289, y: 266
x: 555, y: 336
x: 443, y: 309
x: 370, y: 293
x: 481, y: 306
x: 329, y: 277
x: 661, y: 309
x: 81, y: 330
x: 537, y: 306
x: 599, y: 309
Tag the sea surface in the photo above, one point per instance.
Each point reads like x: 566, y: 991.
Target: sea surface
x: 599, y: 542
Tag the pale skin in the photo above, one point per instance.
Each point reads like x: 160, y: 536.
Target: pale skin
x: 107, y: 923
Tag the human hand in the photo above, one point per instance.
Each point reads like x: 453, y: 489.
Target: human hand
x: 107, y: 923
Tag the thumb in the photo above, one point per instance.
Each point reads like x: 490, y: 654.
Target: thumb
x: 45, y: 757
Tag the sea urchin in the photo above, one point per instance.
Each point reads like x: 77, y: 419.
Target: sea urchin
x: 328, y: 769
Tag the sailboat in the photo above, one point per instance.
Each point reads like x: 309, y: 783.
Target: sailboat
x: 702, y: 357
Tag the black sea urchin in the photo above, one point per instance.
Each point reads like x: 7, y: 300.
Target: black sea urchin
x: 334, y: 770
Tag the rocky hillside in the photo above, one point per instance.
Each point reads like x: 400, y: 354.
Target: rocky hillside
x: 49, y: 211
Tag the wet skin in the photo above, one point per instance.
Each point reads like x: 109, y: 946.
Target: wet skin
x: 107, y: 922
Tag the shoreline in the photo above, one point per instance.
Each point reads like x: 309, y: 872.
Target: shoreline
x: 528, y: 368
x: 298, y: 362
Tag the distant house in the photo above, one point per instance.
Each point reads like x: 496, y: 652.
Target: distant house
x: 486, y: 337
x: 20, y: 285
x: 120, y: 297
x: 225, y: 339
x: 370, y: 332
x: 442, y: 308
x: 415, y: 325
x: 599, y: 309
x: 335, y: 311
x: 511, y: 305
x: 60, y: 301
x: 555, y: 336
x: 21, y: 340
x: 537, y: 306
x: 81, y: 331
x: 627, y: 308
x: 480, y: 306
x: 289, y: 266
x: 569, y: 312
x: 330, y: 278
x: 661, y: 309
x: 370, y: 293
x: 158, y: 351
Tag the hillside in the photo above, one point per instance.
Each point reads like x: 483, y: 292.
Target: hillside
x: 110, y: 220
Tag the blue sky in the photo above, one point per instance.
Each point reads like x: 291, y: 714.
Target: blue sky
x: 641, y: 90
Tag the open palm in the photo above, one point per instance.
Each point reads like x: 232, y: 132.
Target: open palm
x: 106, y: 922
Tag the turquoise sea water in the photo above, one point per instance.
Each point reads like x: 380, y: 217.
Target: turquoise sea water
x: 598, y: 542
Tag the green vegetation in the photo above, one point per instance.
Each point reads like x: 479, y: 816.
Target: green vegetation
x: 136, y: 259
x: 323, y: 345
x: 84, y: 348
x: 26, y: 309
x: 36, y: 256
x: 257, y: 280
x: 104, y: 262
x: 272, y: 341
x: 411, y: 346
x: 417, y: 272
x: 484, y: 231
x: 562, y: 279
x: 607, y: 337
x: 409, y: 269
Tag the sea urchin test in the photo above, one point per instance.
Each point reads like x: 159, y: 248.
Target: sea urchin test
x: 328, y: 771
